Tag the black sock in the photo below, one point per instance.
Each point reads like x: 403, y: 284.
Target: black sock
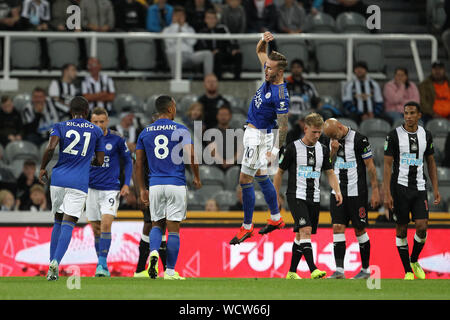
x: 308, y: 254
x: 163, y: 253
x: 339, y: 253
x: 364, y: 250
x: 417, y: 248
x: 144, y: 251
x: 296, y: 256
x: 403, y: 251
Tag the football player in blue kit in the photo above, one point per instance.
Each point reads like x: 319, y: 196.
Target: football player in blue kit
x: 104, y: 188
x: 268, y: 111
x: 79, y: 140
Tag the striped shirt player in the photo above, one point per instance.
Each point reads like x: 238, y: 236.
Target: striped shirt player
x: 405, y: 150
x: 79, y: 140
x: 268, y: 110
x: 305, y: 159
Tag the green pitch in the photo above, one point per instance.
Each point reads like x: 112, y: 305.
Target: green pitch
x: 221, y: 289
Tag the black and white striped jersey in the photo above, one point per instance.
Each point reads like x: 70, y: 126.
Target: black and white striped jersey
x: 103, y: 84
x: 62, y: 90
x: 409, y: 150
x: 349, y: 165
x: 305, y: 164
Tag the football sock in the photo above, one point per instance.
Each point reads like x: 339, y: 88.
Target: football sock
x: 296, y: 255
x: 155, y: 238
x: 64, y: 240
x: 56, y: 231
x: 248, y: 202
x: 339, y: 250
x: 173, y: 246
x: 270, y: 195
x: 97, y: 245
x: 364, y: 250
x: 417, y: 247
x: 305, y: 246
x: 403, y: 251
x: 163, y: 251
x: 144, y: 251
x: 105, y: 244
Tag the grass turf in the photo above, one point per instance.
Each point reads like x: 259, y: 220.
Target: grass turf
x: 221, y: 289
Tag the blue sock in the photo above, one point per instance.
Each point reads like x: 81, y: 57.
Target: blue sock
x: 64, y: 240
x: 97, y: 245
x: 104, y: 245
x: 248, y: 201
x: 173, y: 246
x: 155, y: 238
x: 56, y: 231
x: 270, y: 194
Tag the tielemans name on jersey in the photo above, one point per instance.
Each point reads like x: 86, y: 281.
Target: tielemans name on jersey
x: 162, y: 127
x: 410, y: 159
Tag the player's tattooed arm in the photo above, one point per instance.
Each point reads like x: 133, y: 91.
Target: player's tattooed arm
x: 48, y: 155
x: 282, y: 120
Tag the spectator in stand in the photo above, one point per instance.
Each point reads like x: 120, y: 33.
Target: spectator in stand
x: 38, y: 117
x: 59, y: 13
x: 98, y: 88
x: 7, y: 201
x: 306, y: 4
x: 98, y: 15
x: 234, y: 17
x: 362, y: 96
x: 159, y: 16
x: 397, y: 92
x: 10, y: 122
x: 129, y: 127
x: 211, y: 100
x: 291, y: 17
x: 336, y: 7
x: 24, y: 183
x: 435, y: 93
x: 262, y: 16
x: 130, y: 15
x: 211, y: 205
x: 226, y: 52
x: 194, y: 113
x: 10, y: 14
x: 63, y: 90
x: 298, y: 128
x: 36, y: 15
x: 38, y: 200
x: 188, y: 56
x: 195, y: 11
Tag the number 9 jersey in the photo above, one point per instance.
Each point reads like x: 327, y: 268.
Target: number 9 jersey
x: 163, y: 143
x: 78, y: 141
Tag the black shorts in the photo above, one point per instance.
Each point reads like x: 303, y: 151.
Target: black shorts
x: 305, y: 213
x: 407, y: 200
x: 146, y: 213
x: 352, y: 208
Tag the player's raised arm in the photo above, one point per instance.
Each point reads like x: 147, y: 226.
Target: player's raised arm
x: 48, y: 155
x: 334, y: 184
x: 261, y: 47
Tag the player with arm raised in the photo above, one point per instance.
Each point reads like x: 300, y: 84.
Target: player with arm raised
x: 104, y: 188
x: 305, y: 159
x: 405, y: 150
x: 353, y: 155
x: 269, y: 108
x: 79, y: 140
x: 167, y: 146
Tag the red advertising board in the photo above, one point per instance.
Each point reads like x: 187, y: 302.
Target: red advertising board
x: 205, y: 252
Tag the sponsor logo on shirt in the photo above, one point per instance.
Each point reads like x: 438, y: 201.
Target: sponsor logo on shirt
x: 307, y: 172
x: 341, y: 164
x: 410, y: 159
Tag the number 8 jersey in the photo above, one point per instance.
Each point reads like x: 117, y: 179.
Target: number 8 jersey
x: 78, y: 141
x: 163, y: 142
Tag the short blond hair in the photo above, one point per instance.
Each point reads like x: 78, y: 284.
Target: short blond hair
x: 314, y: 120
x: 279, y: 58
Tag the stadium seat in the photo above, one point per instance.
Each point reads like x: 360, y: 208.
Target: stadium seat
x: 397, y: 123
x: 372, y: 52
x: 211, y: 175
x: 320, y: 23
x: 16, y: 167
x: 351, y: 22
x: 325, y: 200
x: 236, y: 104
x: 7, y: 177
x: 113, y: 121
x: 208, y: 192
x: 124, y: 100
x: 225, y: 199
x: 250, y: 61
x: 44, y: 146
x: 294, y: 49
x: 21, y: 150
x: 438, y: 127
x: 232, y: 177
x: 443, y: 175
x: 185, y: 102
x: 20, y: 53
x: 439, y: 143
x: 140, y: 54
x: 195, y: 200
x: 336, y: 62
x: 438, y: 16
x: 21, y: 100
x: 62, y: 51
x: 446, y: 41
x: 375, y: 127
x: 441, y: 207
x: 349, y: 123
x: 107, y: 53
x: 378, y: 154
x: 149, y: 105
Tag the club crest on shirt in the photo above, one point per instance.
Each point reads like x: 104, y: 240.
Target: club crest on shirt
x: 414, y: 147
x: 311, y: 161
x: 268, y: 94
x: 108, y: 146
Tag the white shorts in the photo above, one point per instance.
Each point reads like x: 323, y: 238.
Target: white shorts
x: 101, y: 202
x: 168, y: 202
x: 256, y: 145
x: 67, y: 200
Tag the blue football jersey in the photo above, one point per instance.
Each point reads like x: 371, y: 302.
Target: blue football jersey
x: 163, y: 143
x: 269, y: 100
x: 78, y: 141
x: 106, y: 177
